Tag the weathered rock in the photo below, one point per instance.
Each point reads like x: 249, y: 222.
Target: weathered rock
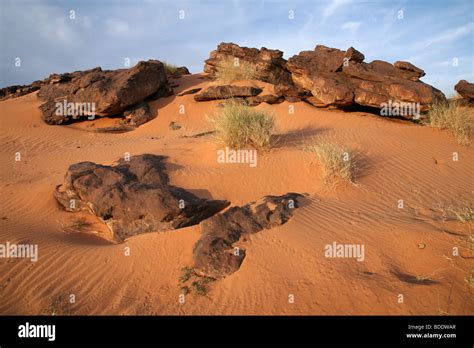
x: 270, y: 66
x: 174, y: 125
x: 225, y: 92
x: 133, y: 197
x: 214, y: 254
x: 137, y: 115
x: 466, y: 90
x: 339, y: 78
x: 180, y: 71
x: 110, y: 92
x: 267, y: 98
x: 189, y: 91
x: 411, y: 72
x: 17, y: 91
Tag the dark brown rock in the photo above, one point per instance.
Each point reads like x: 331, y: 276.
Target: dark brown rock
x: 111, y: 92
x: 267, y: 98
x: 189, y: 91
x: 269, y: 65
x: 466, y: 90
x: 411, y: 72
x: 133, y: 197
x: 338, y: 78
x: 17, y: 91
x: 214, y: 253
x: 174, y: 125
x: 180, y: 71
x: 137, y: 115
x: 225, y: 92
x: 353, y: 55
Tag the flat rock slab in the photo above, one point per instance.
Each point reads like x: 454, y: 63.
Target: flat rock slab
x: 214, y: 253
x: 226, y: 92
x: 133, y: 197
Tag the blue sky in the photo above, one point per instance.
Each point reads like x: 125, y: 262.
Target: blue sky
x: 432, y: 34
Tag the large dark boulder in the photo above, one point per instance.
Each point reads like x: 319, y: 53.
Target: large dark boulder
x: 466, y: 90
x: 214, y: 253
x: 133, y: 197
x: 341, y: 78
x: 110, y: 92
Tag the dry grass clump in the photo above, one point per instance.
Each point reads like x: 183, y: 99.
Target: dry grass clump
x: 453, y: 117
x: 169, y: 68
x: 238, y: 126
x: 233, y: 69
x: 464, y: 213
x: 336, y: 161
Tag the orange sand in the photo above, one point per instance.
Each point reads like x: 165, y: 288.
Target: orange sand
x: 398, y: 160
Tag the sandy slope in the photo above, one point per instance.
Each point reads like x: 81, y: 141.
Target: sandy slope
x: 398, y: 161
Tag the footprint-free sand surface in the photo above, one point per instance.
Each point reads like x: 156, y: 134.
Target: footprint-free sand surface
x: 408, y: 251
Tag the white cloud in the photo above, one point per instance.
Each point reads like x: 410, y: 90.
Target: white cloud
x: 333, y: 6
x: 351, y: 26
x: 450, y: 35
x: 116, y: 26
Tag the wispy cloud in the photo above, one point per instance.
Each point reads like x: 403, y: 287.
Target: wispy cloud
x: 117, y: 26
x: 351, y: 26
x: 450, y: 35
x: 333, y: 6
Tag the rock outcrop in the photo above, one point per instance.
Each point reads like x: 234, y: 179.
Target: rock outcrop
x: 101, y: 93
x: 133, y: 197
x: 329, y: 77
x: 215, y: 255
x: 18, y: 91
x: 269, y: 65
x: 341, y: 78
x: 465, y: 90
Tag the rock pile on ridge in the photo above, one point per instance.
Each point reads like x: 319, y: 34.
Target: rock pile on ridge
x: 332, y: 77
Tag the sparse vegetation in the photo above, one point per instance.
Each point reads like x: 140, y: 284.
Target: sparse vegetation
x: 336, y: 161
x: 170, y: 68
x: 238, y: 125
x: 470, y: 278
x: 200, y: 288
x: 464, y: 213
x: 80, y: 225
x: 188, y: 272
x: 234, y: 69
x: 190, y: 281
x: 185, y: 290
x: 453, y: 117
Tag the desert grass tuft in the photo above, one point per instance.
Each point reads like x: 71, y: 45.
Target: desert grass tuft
x: 238, y: 126
x: 464, y: 213
x: 453, y: 117
x: 188, y: 272
x: 200, y: 288
x: 336, y: 161
x: 80, y: 225
x: 232, y: 69
x: 169, y: 68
